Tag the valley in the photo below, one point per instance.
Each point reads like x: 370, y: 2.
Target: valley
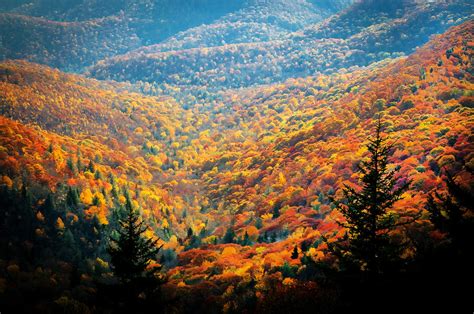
x: 232, y: 132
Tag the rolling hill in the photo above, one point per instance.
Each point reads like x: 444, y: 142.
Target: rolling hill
x: 66, y: 45
x: 234, y: 131
x: 73, y: 34
x: 303, y: 53
x: 261, y: 163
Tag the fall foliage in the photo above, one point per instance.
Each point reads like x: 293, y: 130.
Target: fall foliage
x: 239, y: 185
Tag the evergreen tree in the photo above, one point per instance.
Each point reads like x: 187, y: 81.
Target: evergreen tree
x: 288, y: 271
x: 98, y: 175
x: 91, y: 166
x: 131, y: 252
x: 203, y: 232
x: 305, y: 246
x: 68, y: 249
x: 273, y: 237
x: 452, y: 213
x: 70, y: 164
x: 79, y: 165
x: 49, y: 209
x: 72, y: 197
x: 294, y: 254
x: 263, y: 237
x: 367, y: 243
x: 229, y: 236
x: 114, y: 191
x: 190, y: 232
x: 25, y: 211
x: 276, y: 210
x: 193, y: 242
x: 246, y: 239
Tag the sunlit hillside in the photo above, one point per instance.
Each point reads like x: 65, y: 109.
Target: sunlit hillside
x: 240, y: 137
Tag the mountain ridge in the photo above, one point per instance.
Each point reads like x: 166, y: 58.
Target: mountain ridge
x: 138, y: 24
x: 236, y: 157
x: 277, y: 60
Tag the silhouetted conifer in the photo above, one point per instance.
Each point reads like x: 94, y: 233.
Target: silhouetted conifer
x: 369, y: 220
x: 131, y: 252
x: 294, y: 254
x: 452, y: 213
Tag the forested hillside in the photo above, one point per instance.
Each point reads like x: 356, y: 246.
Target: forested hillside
x: 71, y: 35
x: 237, y: 156
x: 239, y: 186
x: 383, y: 31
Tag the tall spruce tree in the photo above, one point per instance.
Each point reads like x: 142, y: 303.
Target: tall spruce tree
x: 131, y: 252
x: 229, y: 235
x: 367, y: 243
x: 294, y: 254
x: 453, y: 213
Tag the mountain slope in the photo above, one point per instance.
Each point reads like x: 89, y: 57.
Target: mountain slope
x: 238, y: 184
x: 73, y: 34
x: 300, y: 54
x: 73, y: 132
x: 308, y: 137
x: 261, y: 161
x: 66, y: 45
x: 195, y: 12
x: 258, y: 21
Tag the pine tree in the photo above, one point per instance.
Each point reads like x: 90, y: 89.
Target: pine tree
x: 305, y: 245
x: 367, y: 212
x: 98, y: 175
x: 452, y: 213
x: 49, y: 209
x: 190, y: 232
x: 229, y: 236
x: 91, y: 166
x: 25, y: 211
x: 276, y: 210
x: 294, y: 254
x: 79, y: 165
x: 193, y: 242
x: 72, y: 197
x: 70, y: 164
x: 273, y: 237
x: 131, y: 252
x: 246, y: 239
x: 203, y: 232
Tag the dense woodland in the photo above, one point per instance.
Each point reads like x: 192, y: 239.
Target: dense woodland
x: 313, y: 170
x: 73, y: 34
x: 380, y: 32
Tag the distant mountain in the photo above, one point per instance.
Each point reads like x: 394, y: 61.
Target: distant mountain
x: 67, y: 45
x: 71, y: 34
x: 258, y: 21
x: 366, y: 32
x: 8, y: 5
x: 83, y: 10
x: 368, y: 13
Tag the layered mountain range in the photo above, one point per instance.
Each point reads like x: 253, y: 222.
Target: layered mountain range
x: 231, y: 126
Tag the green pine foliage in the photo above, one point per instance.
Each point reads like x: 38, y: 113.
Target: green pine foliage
x: 367, y: 244
x: 452, y: 213
x: 131, y: 252
x: 294, y: 254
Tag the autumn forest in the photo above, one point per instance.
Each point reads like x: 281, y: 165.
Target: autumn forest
x: 257, y: 156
